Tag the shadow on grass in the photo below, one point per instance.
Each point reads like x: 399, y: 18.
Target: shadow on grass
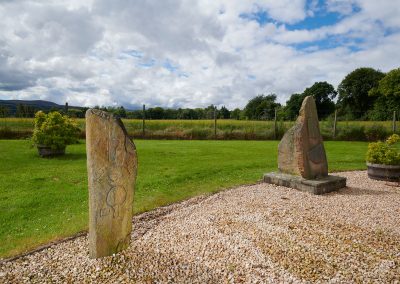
x: 69, y: 157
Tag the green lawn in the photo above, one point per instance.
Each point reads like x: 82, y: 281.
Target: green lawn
x: 46, y: 199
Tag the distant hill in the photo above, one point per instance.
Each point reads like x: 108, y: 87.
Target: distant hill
x: 36, y: 104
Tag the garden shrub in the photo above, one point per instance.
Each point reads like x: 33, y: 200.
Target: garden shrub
x: 54, y: 130
x: 386, y: 153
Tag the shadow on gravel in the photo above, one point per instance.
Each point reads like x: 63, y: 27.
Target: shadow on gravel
x: 361, y: 191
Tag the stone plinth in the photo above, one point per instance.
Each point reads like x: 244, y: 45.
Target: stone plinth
x: 112, y: 167
x: 314, y: 186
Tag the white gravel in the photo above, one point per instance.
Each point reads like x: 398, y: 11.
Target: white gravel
x: 250, y: 234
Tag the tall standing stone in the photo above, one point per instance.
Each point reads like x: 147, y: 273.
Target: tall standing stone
x: 301, y: 150
x: 112, y: 168
x: 302, y: 160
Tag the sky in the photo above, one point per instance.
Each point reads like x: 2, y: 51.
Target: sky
x: 185, y: 53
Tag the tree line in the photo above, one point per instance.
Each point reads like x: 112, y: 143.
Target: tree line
x: 364, y: 94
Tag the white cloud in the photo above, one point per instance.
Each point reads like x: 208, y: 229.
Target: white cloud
x: 78, y: 51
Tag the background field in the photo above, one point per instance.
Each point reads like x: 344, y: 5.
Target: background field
x: 46, y: 199
x: 227, y: 129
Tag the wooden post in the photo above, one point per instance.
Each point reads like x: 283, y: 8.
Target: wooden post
x: 275, y: 126
x: 215, y: 122
x: 334, y: 124
x: 394, y: 122
x: 144, y: 118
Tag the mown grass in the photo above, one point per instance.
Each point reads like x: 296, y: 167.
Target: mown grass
x: 47, y: 199
x: 227, y: 129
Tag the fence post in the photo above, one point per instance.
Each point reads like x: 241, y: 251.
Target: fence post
x: 394, y: 122
x: 215, y: 122
x: 143, y: 123
x: 334, y: 124
x: 275, y: 127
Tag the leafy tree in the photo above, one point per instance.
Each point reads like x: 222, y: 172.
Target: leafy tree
x: 155, y: 113
x: 323, y: 93
x: 390, y: 84
x: 4, y: 111
x: 24, y: 110
x: 210, y: 111
x: 293, y: 105
x: 387, y: 95
x: 353, y: 91
x: 120, y: 111
x: 261, y: 107
x: 235, y: 114
x: 224, y: 112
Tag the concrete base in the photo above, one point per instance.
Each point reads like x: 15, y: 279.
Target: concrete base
x: 315, y: 186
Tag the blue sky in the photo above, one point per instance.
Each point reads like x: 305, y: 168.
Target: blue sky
x: 181, y: 53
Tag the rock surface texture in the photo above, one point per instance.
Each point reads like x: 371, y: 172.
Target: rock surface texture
x: 112, y: 167
x: 301, y: 151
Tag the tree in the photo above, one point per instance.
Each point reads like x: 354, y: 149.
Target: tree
x: 24, y: 110
x: 224, y: 112
x: 235, y: 114
x: 4, y: 111
x: 323, y: 94
x: 209, y: 111
x: 353, y: 91
x: 261, y: 107
x: 387, y: 95
x: 390, y: 84
x: 155, y: 113
x: 293, y: 106
x: 120, y: 111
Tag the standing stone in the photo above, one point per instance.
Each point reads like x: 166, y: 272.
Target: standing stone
x: 112, y: 168
x: 301, y: 156
x: 301, y: 150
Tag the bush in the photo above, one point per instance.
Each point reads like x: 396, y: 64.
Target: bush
x: 376, y: 132
x: 54, y: 130
x: 386, y: 153
x: 352, y: 133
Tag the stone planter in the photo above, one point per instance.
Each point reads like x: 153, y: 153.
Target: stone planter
x: 383, y: 172
x: 46, y: 151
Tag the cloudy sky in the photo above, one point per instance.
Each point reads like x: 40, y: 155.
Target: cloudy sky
x: 185, y: 53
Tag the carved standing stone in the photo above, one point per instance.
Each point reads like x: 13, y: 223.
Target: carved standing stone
x: 301, y: 150
x: 112, y: 168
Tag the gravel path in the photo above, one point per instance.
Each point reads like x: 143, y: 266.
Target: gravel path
x: 259, y: 233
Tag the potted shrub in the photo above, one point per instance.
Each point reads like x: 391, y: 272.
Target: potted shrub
x: 53, y: 132
x: 383, y: 159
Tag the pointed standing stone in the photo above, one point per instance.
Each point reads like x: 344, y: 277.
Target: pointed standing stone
x: 301, y: 150
x: 302, y: 160
x: 112, y: 167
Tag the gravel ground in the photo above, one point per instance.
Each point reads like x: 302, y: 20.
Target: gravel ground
x: 251, y: 234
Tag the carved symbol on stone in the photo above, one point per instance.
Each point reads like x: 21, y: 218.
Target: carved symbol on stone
x: 116, y: 196
x: 317, y: 154
x: 105, y: 211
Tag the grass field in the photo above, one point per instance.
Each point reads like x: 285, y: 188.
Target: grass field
x: 226, y: 129
x: 46, y: 199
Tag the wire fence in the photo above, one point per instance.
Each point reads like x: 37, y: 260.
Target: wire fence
x: 333, y: 127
